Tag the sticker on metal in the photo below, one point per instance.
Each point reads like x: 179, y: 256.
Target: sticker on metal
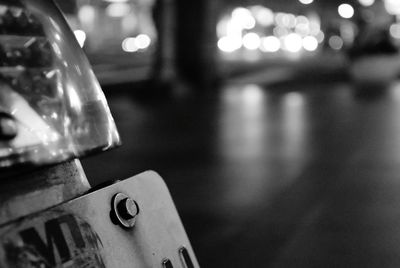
x: 80, y: 233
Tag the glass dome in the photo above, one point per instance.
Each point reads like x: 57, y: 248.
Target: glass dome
x: 51, y: 105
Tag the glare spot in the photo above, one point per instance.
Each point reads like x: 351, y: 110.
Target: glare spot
x: 234, y: 29
x: 270, y: 44
x: 251, y: 41
x: 335, y: 42
x: 54, y: 116
x: 310, y: 43
x: 129, y: 45
x: 143, y: 41
x: 80, y: 37
x: 244, y: 17
x: 346, y: 11
x: 57, y: 50
x: 293, y: 42
x: 74, y: 100
x: 228, y: 44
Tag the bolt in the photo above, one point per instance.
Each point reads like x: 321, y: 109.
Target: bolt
x: 124, y: 211
x: 127, y: 208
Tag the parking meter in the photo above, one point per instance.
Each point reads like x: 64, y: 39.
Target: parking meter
x: 52, y: 111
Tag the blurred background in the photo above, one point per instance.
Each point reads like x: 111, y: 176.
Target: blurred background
x: 275, y: 124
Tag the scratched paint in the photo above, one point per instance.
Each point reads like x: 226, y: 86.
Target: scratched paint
x: 81, y: 234
x: 53, y: 240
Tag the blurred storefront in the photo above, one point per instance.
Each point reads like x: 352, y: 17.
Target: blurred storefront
x: 254, y: 33
x: 121, y: 37
x: 136, y: 40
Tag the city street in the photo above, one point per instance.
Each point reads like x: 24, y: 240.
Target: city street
x: 294, y: 174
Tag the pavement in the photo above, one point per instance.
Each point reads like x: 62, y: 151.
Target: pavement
x: 288, y: 173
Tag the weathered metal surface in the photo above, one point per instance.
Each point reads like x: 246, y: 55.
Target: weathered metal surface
x: 34, y: 191
x: 80, y: 233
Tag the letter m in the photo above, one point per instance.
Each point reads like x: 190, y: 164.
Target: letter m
x: 54, y: 237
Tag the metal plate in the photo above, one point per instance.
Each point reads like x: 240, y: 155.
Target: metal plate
x: 81, y: 234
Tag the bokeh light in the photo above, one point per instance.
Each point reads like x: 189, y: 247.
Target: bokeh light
x: 392, y: 6
x: 336, y: 42
x: 243, y: 17
x: 143, y: 41
x: 264, y: 16
x: 310, y: 43
x: 250, y: 28
x: 129, y: 45
x: 366, y: 3
x: 117, y: 10
x: 395, y: 30
x: 346, y: 11
x: 306, y: 2
x: 228, y: 44
x: 251, y: 41
x: 270, y: 44
x: 293, y: 42
x: 87, y: 14
x: 302, y: 29
x: 280, y: 31
x: 289, y: 20
x: 320, y: 37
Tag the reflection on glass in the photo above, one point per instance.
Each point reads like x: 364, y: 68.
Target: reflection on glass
x: 118, y: 36
x: 59, y: 109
